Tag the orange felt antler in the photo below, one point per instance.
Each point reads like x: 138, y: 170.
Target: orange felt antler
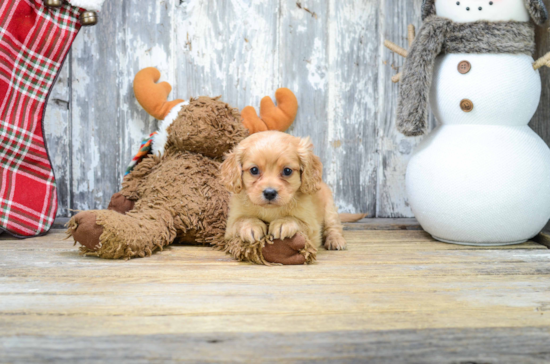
x: 153, y: 96
x: 272, y: 117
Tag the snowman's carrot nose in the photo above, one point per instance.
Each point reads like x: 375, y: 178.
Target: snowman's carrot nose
x: 153, y: 96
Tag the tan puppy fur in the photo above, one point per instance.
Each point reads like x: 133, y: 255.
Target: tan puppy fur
x: 274, y: 163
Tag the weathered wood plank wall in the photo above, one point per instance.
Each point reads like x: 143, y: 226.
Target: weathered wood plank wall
x: 329, y: 52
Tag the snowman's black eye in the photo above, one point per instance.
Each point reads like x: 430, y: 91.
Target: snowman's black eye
x: 480, y: 8
x: 468, y: 9
x: 490, y: 3
x: 458, y: 3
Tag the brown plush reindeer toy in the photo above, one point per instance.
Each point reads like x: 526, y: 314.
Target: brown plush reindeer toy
x: 175, y: 194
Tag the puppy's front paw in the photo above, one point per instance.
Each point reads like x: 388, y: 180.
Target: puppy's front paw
x: 335, y: 242
x: 284, y: 228
x: 252, y: 231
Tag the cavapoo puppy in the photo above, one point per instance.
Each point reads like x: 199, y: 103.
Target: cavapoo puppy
x: 278, y: 191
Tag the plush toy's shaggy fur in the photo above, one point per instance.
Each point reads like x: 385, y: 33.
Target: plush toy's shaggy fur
x: 536, y: 9
x: 176, y: 195
x: 439, y: 35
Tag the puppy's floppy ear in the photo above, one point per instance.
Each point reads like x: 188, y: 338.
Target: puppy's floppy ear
x: 312, y: 168
x: 231, y: 171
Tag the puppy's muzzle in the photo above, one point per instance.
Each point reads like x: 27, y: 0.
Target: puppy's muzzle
x: 270, y: 194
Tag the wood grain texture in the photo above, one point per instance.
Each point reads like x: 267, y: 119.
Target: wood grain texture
x: 330, y: 53
x: 392, y: 295
x: 395, y: 149
x: 442, y: 346
x: 147, y: 38
x: 57, y: 126
x: 95, y: 99
x: 303, y: 67
x: 384, y: 224
x: 227, y: 48
x: 352, y: 158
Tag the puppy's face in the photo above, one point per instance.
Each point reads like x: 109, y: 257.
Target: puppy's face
x: 271, y: 172
x: 272, y: 168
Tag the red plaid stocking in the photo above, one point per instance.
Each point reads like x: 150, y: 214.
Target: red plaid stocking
x: 34, y: 41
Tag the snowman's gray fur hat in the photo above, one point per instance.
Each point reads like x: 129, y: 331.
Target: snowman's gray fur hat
x: 536, y: 8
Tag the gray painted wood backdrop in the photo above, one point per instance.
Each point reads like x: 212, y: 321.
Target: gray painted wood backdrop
x: 329, y: 52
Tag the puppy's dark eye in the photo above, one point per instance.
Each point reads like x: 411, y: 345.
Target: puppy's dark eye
x: 287, y: 172
x: 254, y: 171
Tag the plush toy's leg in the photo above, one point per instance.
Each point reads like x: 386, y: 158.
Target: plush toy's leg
x: 111, y: 235
x: 120, y: 204
x: 84, y: 230
x: 292, y: 251
x: 138, y: 177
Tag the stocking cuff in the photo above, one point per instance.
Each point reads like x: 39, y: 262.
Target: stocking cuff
x: 94, y: 5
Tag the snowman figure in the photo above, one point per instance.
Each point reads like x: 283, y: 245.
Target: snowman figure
x: 482, y: 176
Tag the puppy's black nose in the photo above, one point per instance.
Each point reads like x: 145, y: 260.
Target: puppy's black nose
x: 270, y: 194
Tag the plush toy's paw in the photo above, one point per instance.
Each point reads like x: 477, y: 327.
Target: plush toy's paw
x: 252, y: 231
x: 290, y: 251
x: 335, y: 242
x: 284, y: 228
x: 120, y: 204
x: 84, y: 230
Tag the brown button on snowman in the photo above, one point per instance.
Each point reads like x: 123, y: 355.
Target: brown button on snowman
x: 464, y: 67
x: 482, y: 176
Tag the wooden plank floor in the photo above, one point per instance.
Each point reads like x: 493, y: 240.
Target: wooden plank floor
x: 394, y: 296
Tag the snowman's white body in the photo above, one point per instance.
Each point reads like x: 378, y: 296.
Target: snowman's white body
x: 482, y: 177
